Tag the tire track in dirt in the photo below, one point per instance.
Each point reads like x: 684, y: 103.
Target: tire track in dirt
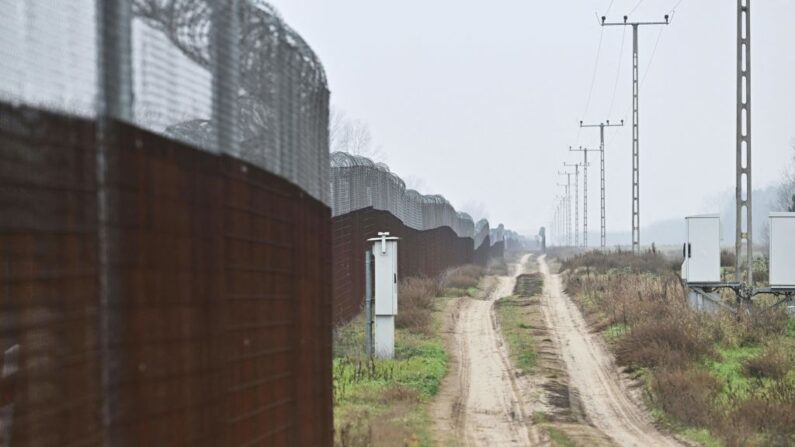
x: 481, y: 404
x: 592, y: 372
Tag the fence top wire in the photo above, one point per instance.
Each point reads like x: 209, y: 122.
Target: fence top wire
x: 225, y: 77
x: 358, y: 182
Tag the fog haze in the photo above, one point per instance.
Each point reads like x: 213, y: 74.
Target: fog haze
x: 480, y: 100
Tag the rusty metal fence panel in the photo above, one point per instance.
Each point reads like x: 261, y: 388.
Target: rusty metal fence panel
x: 222, y: 322
x: 425, y: 253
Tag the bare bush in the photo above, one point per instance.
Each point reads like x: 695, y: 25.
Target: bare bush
x: 604, y: 261
x: 462, y: 277
x: 687, y: 395
x: 665, y: 342
x: 772, y: 364
x: 416, y: 304
x: 727, y: 258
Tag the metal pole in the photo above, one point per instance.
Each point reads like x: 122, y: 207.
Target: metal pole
x: 635, y: 146
x: 114, y: 103
x: 368, y: 302
x: 635, y: 127
x: 576, y: 167
x: 602, y: 216
x: 568, y: 206
x: 743, y: 149
x: 602, y: 220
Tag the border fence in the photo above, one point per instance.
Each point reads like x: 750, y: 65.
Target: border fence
x: 367, y: 198
x: 165, y: 230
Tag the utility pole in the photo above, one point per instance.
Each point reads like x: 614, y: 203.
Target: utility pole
x: 603, y: 218
x: 635, y: 126
x: 568, y: 206
x: 743, y: 201
x: 564, y: 216
x: 585, y: 191
x: 576, y: 167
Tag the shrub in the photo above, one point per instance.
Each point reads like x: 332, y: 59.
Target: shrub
x: 727, y: 258
x: 416, y: 303
x: 662, y: 342
x: 498, y: 267
x: 772, y: 364
x: 687, y: 395
x: 604, y: 261
x: 463, y: 277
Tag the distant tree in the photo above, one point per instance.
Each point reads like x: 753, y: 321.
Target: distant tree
x: 786, y: 191
x: 352, y: 136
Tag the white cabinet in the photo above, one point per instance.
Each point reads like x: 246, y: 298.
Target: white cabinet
x: 782, y: 250
x: 702, y: 250
x: 386, y: 288
x: 385, y: 255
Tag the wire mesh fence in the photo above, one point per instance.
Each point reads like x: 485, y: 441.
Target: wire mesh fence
x: 165, y: 230
x: 357, y: 183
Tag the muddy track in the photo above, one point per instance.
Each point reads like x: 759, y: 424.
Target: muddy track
x: 592, y: 373
x: 480, y: 403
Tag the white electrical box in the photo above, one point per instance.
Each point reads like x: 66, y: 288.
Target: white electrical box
x: 782, y: 250
x: 702, y: 250
x: 386, y: 275
x: 385, y: 256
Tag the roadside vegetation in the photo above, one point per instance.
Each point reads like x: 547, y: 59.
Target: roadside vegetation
x: 719, y: 379
x: 384, y: 402
x: 514, y: 321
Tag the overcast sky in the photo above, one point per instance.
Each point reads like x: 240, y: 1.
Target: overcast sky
x: 481, y: 100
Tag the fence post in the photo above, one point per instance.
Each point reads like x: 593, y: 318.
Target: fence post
x: 368, y: 302
x: 114, y: 102
x: 226, y: 74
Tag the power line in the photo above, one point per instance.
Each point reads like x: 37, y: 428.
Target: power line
x: 595, y: 67
x: 636, y: 7
x: 608, y: 7
x: 643, y: 79
x: 676, y: 5
x: 618, y: 72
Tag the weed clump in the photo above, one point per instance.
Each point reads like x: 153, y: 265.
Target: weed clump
x: 730, y: 375
x: 415, y: 301
x: 464, y: 277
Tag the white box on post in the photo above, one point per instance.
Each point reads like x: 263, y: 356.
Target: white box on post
x: 385, y: 254
x: 782, y: 251
x: 702, y: 250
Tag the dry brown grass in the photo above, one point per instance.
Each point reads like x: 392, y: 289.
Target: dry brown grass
x: 462, y: 277
x: 681, y: 353
x: 687, y: 395
x: 773, y: 363
x: 416, y: 304
x: 604, y: 261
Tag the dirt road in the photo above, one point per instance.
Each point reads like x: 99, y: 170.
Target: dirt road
x: 480, y: 404
x: 591, y: 371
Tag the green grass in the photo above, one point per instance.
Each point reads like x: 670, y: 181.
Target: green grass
x: 516, y: 332
x: 728, y: 369
x: 702, y: 436
x: 387, y: 397
x: 615, y: 331
x: 473, y: 292
x: 559, y: 438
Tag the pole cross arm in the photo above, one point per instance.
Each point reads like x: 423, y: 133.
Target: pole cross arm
x: 627, y: 23
x: 605, y: 124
